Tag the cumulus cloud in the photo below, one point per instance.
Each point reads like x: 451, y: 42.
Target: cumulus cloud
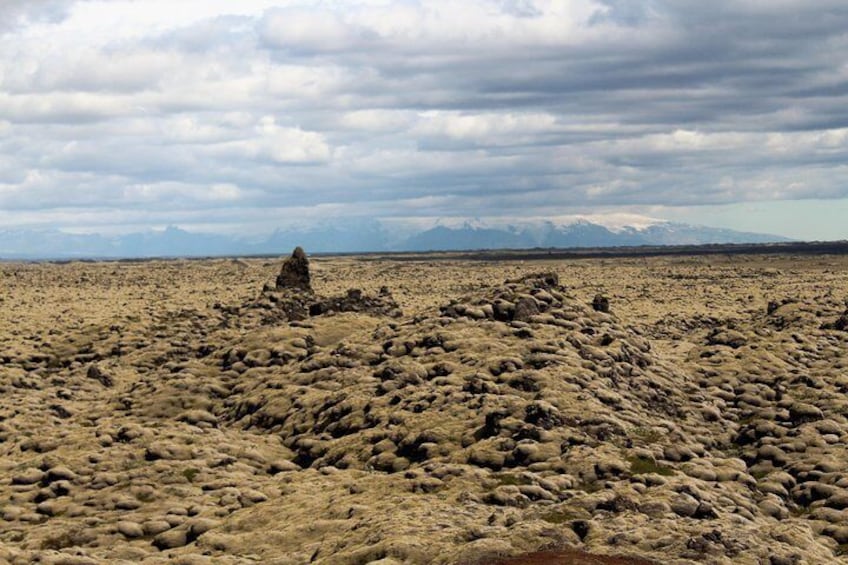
x: 400, y: 108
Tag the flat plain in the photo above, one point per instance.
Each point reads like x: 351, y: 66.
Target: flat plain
x: 662, y: 410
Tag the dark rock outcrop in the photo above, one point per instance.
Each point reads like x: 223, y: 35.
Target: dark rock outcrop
x: 293, y: 299
x: 356, y: 301
x: 295, y: 272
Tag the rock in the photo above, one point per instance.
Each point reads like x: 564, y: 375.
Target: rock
x: 127, y: 503
x: 295, y: 272
x: 684, y: 505
x: 705, y: 511
x: 802, y: 412
x: 130, y: 529
x: 96, y: 373
x: 535, y: 492
x: 49, y: 507
x: 838, y: 500
x: 508, y: 495
x: 28, y: 477
x: 250, y: 496
x: 654, y: 509
x: 839, y: 533
x: 196, y: 417
x: 12, y: 513
x: 488, y: 458
x: 355, y: 301
x: 282, y: 466
x: 168, y: 451
x: 548, y: 279
x: 600, y: 303
x: 582, y: 528
x: 171, y: 539
x: 59, y: 473
x: 525, y: 309
x: 772, y: 307
x: 773, y: 508
x: 155, y: 527
x: 199, y: 526
x: 729, y: 338
x: 841, y: 323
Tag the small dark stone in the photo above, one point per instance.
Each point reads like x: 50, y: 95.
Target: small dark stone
x: 60, y: 411
x: 354, y: 294
x: 492, y: 425
x: 705, y: 512
x: 600, y: 303
x: 581, y: 528
x: 96, y: 373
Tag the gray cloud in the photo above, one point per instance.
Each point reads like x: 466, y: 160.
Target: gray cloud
x: 14, y: 13
x: 433, y: 109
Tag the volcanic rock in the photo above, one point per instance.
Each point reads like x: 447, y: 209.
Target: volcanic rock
x: 295, y: 272
x: 98, y: 374
x: 503, y: 416
x: 600, y: 303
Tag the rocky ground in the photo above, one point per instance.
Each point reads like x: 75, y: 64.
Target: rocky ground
x: 669, y: 410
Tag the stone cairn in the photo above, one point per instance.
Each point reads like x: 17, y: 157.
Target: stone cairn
x: 295, y: 272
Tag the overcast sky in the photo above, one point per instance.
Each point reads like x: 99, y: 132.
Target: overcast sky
x: 223, y: 115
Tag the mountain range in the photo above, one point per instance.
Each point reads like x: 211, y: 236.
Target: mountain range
x: 347, y: 236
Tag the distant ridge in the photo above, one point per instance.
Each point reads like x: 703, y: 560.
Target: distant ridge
x: 541, y: 254
x: 389, y: 235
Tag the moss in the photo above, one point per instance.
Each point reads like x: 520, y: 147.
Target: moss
x: 190, y: 473
x: 590, y: 486
x: 70, y: 538
x: 643, y: 465
x: 59, y: 542
x: 800, y: 511
x: 646, y: 435
x: 560, y: 516
x: 747, y: 420
x: 505, y: 479
x: 759, y: 474
x: 145, y: 496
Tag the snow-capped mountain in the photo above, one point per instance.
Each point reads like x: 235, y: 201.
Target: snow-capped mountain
x: 572, y: 231
x: 392, y: 234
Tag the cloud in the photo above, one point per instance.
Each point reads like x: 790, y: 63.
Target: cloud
x: 15, y: 13
x: 441, y: 108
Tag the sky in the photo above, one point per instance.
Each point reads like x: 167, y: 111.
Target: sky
x: 244, y: 116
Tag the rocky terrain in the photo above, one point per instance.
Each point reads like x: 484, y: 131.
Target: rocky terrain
x: 665, y: 410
